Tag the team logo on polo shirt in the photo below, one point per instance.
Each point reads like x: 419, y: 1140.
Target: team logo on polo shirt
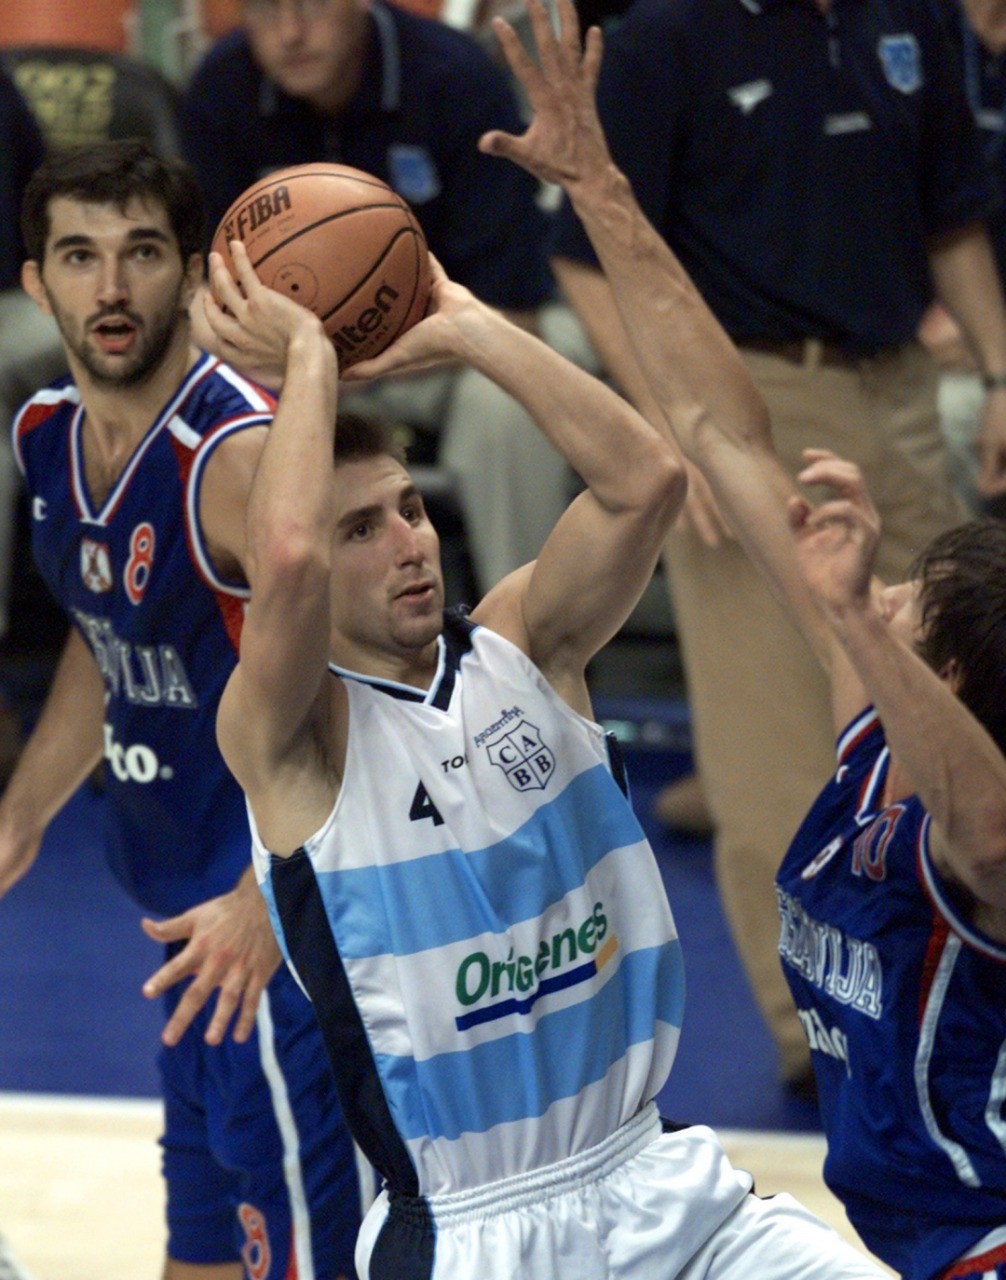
x: 746, y: 97
x: 95, y: 566
x: 413, y: 173
x: 902, y: 62
x: 527, y: 762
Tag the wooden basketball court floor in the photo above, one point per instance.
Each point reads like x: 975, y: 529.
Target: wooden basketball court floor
x: 81, y: 1199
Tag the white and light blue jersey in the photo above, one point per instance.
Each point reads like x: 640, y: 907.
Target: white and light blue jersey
x: 904, y: 1004
x: 481, y: 925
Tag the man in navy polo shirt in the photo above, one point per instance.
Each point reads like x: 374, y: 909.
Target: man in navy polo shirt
x: 405, y: 98
x: 815, y: 167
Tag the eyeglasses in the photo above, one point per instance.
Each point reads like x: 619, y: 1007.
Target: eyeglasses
x: 266, y: 11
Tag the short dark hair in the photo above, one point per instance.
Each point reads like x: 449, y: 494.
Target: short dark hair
x: 113, y: 172
x: 358, y: 437
x: 962, y: 578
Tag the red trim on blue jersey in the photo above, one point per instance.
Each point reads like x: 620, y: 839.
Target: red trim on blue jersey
x: 231, y: 606
x: 856, y: 732
x: 934, y: 950
x: 34, y: 415
x: 232, y: 610
x: 943, y: 907
x: 977, y: 1267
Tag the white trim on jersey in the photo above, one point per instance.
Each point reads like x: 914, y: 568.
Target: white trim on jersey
x: 77, y: 479
x: 927, y: 1034
x: 69, y: 394
x: 938, y: 896
x: 248, y: 389
x: 426, y: 696
x: 206, y: 445
x: 300, y: 1212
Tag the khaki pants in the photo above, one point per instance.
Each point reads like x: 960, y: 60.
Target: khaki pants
x: 764, y: 737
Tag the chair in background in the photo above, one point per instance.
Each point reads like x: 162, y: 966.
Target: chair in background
x: 85, y: 95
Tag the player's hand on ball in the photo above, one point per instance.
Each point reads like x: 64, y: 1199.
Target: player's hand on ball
x: 437, y: 338
x: 253, y: 325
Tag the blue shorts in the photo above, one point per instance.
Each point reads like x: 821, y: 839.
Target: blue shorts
x: 258, y: 1163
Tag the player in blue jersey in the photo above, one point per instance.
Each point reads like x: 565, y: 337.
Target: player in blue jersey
x: 893, y: 894
x: 456, y: 876
x: 137, y: 467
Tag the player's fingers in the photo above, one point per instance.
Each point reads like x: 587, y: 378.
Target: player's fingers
x: 549, y: 52
x: 844, y: 476
x: 838, y: 511
x: 172, y: 930
x: 178, y: 967
x: 437, y: 273
x: 569, y: 43
x: 498, y: 143
x: 222, y: 283
x: 593, y: 53
x: 517, y: 57
x: 798, y: 510
x: 185, y: 1012
x: 227, y: 1002
x: 243, y: 268
x: 245, y: 1023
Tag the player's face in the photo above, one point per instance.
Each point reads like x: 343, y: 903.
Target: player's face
x: 115, y: 281
x: 313, y: 49
x: 387, y: 587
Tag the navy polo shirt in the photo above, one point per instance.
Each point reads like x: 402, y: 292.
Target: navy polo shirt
x: 985, y: 85
x: 797, y: 163
x: 21, y: 150
x: 428, y: 93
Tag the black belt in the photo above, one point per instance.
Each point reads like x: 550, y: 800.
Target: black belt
x: 810, y: 352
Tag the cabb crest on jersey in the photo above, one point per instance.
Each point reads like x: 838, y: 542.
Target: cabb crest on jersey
x: 902, y: 62
x: 95, y: 566
x: 522, y: 755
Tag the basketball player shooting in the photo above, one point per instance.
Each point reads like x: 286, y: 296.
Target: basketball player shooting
x: 453, y: 869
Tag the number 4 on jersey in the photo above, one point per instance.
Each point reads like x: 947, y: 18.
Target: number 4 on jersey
x: 423, y: 807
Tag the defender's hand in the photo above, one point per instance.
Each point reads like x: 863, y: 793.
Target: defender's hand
x: 230, y: 948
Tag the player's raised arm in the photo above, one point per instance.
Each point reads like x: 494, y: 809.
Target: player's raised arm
x: 268, y: 707
x: 695, y: 374
x: 596, y: 562
x: 818, y: 560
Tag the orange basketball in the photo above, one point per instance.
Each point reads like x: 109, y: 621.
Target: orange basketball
x: 340, y: 242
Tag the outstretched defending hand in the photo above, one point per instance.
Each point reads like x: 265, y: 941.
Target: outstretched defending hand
x: 230, y: 945
x: 564, y: 142
x: 836, y: 541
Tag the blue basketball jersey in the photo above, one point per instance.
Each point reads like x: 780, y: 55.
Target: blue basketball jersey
x: 481, y: 925
x: 904, y: 1004
x: 179, y: 833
